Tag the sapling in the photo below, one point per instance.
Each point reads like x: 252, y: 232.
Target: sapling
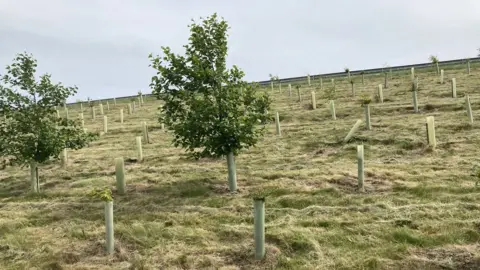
x: 108, y: 106
x: 273, y: 79
x: 105, y: 124
x: 432, y: 141
x: 120, y: 175
x: 115, y: 102
x: 314, y: 102
x: 277, y: 124
x: 134, y: 106
x: 442, y: 75
x: 414, y: 95
x: 259, y: 227
x: 80, y: 116
x: 232, y: 171
x: 205, y: 128
x: 353, y: 88
x: 385, y: 83
x: 454, y: 88
x: 366, y: 104
x: 434, y: 60
x: 412, y: 73
x: 121, y: 116
x: 81, y: 106
x: 332, y: 109
x: 428, y: 137
x: 329, y: 93
x: 468, y: 66
x: 321, y: 83
x: 299, y: 94
x: 361, y: 174
x: 138, y: 140
x: 289, y: 90
x: 145, y: 132
x: 140, y: 98
x: 347, y: 70
x: 469, y: 109
x: 101, y: 108
x: 308, y: 79
x: 105, y: 195
x: 380, y: 93
x: 34, y: 134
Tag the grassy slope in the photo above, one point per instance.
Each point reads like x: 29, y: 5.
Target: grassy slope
x: 420, y: 209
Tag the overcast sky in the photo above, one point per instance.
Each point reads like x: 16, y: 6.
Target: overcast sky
x: 102, y: 45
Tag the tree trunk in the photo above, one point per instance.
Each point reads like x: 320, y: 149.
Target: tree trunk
x: 34, y: 177
x: 232, y: 173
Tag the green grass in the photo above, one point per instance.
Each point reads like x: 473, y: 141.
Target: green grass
x: 420, y: 209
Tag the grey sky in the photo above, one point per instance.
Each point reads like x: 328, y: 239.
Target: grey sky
x: 102, y: 45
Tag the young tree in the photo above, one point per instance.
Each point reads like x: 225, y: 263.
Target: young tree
x: 435, y: 61
x: 33, y: 133
x: 210, y: 109
x: 273, y: 79
x: 347, y: 70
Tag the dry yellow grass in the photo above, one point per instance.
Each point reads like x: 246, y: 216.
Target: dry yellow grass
x: 420, y: 209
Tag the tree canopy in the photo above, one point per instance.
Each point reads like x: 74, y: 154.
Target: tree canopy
x: 31, y: 132
x: 210, y: 108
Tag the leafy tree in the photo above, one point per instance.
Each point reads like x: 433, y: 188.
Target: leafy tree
x: 210, y: 109
x: 91, y: 103
x: 273, y: 79
x: 33, y: 133
x: 434, y: 60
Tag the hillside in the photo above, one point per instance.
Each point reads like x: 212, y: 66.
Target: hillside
x: 419, y: 211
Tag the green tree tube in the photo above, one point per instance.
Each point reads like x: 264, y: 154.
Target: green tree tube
x: 360, y: 161
x: 232, y: 172
x: 109, y: 243
x: 259, y: 227
x: 120, y: 175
